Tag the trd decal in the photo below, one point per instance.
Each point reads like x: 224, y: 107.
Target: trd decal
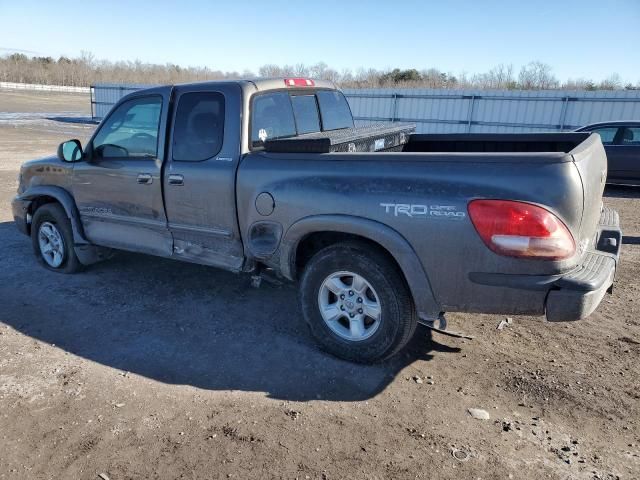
x: 423, y: 211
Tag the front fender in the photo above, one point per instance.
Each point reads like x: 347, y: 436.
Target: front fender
x: 386, y: 237
x: 64, y: 198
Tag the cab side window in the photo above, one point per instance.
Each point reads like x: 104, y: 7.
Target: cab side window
x: 131, y: 130
x: 199, y: 126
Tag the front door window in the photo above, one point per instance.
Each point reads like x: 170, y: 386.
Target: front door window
x: 131, y: 130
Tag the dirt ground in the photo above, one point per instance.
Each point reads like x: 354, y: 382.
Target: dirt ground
x: 32, y: 124
x: 147, y: 368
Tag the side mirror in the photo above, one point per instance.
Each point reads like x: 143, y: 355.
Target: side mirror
x: 70, y: 151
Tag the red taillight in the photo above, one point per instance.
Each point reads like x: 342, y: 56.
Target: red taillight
x: 519, y: 229
x: 298, y: 82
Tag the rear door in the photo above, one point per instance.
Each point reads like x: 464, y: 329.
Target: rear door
x: 199, y: 180
x: 118, y: 187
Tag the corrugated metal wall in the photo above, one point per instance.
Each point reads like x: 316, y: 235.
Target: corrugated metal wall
x: 503, y: 111
x: 460, y: 111
x: 106, y: 95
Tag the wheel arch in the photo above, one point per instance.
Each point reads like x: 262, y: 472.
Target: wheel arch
x: 335, y: 228
x: 41, y: 195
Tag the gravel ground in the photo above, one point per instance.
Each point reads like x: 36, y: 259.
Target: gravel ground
x: 148, y: 368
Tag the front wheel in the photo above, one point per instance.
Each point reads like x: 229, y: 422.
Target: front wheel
x: 52, y: 239
x: 356, y: 302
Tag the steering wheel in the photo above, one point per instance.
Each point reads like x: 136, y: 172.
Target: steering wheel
x: 144, y: 142
x: 142, y: 135
x: 109, y: 150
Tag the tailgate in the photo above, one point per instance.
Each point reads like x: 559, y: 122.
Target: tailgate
x: 591, y: 161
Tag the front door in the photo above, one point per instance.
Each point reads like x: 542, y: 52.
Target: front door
x: 118, y: 188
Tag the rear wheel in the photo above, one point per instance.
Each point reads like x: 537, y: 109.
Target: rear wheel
x: 356, y: 302
x: 52, y: 239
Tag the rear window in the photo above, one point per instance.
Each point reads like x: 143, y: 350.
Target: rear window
x: 284, y: 114
x: 305, y: 111
x: 272, y: 118
x: 335, y: 110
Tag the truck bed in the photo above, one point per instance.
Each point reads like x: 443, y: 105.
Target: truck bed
x: 495, y: 143
x: 563, y: 172
x: 400, y: 137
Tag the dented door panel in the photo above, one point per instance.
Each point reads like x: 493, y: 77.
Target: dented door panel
x: 200, y: 192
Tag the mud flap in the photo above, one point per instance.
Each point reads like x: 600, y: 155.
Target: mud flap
x: 89, y: 254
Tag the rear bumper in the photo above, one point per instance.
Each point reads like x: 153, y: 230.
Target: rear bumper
x: 577, y: 294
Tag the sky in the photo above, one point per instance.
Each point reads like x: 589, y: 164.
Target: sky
x: 579, y: 39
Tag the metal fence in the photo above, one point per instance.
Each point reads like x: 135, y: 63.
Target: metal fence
x: 46, y: 88
x: 460, y: 111
x: 106, y: 95
x: 500, y: 111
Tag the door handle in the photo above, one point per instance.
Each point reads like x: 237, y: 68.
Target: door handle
x: 175, y: 179
x: 145, y: 179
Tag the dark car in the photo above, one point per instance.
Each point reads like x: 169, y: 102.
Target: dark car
x: 621, y: 141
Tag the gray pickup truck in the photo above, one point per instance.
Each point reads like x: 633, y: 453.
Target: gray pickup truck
x: 377, y: 241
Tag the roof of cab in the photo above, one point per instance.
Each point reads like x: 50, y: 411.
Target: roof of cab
x: 267, y: 83
x: 280, y: 82
x: 256, y: 84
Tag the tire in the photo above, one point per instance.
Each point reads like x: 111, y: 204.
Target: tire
x: 51, y: 228
x: 384, y: 291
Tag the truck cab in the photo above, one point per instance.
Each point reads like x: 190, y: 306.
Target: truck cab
x: 159, y: 172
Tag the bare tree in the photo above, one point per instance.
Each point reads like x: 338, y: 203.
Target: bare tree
x: 499, y: 77
x: 86, y: 70
x: 346, y: 77
x: 270, y: 70
x: 300, y: 70
x: 612, y: 82
x: 578, y: 84
x: 537, y: 76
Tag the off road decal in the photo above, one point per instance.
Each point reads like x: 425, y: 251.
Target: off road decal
x: 423, y: 211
